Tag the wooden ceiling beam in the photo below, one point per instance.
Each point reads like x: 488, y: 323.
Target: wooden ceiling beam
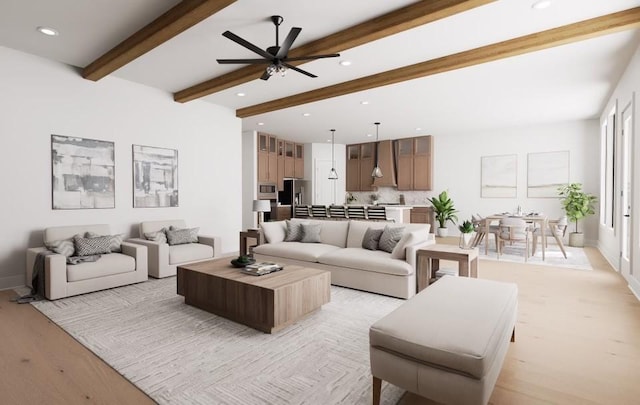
x: 414, y: 15
x: 579, y: 31
x: 183, y: 16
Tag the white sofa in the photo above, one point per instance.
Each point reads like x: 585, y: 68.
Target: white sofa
x: 111, y: 270
x: 341, y: 253
x: 164, y: 259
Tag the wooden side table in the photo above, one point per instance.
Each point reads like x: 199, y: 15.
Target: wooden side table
x: 428, y: 262
x: 244, y: 235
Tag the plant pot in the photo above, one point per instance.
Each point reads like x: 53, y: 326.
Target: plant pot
x: 442, y: 232
x: 576, y: 239
x: 466, y: 240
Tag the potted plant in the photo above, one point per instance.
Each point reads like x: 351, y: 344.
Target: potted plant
x: 374, y: 199
x: 444, y: 210
x: 467, y: 231
x: 577, y: 205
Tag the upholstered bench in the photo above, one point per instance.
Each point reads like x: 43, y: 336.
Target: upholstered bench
x: 448, y: 342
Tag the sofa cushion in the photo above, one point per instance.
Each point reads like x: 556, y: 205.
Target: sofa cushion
x: 371, y: 238
x: 115, y: 241
x: 154, y: 226
x: 390, y: 238
x: 182, y: 236
x: 92, y: 246
x: 308, y: 252
x: 189, y: 252
x: 114, y: 263
x: 157, y: 236
x: 375, y: 261
x: 332, y: 233
x: 68, y: 232
x: 463, y: 334
x: 64, y: 247
x: 408, y: 239
x: 311, y: 233
x: 274, y: 231
x: 357, y: 230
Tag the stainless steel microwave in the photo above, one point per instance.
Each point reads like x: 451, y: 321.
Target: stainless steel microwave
x: 267, y: 191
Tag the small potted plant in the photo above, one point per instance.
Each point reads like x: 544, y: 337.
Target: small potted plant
x: 444, y: 210
x: 467, y: 231
x: 577, y: 204
x: 374, y: 198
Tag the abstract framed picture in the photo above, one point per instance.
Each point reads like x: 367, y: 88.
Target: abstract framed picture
x: 82, y: 173
x: 546, y: 172
x: 155, y: 177
x: 499, y: 176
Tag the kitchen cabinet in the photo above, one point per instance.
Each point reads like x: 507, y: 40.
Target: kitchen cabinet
x: 280, y: 182
x: 415, y: 163
x: 280, y: 213
x: 424, y: 215
x: 267, y: 158
x: 289, y: 163
x: 298, y: 161
x: 353, y: 168
x: 360, y: 163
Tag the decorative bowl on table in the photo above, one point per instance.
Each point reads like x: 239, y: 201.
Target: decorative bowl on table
x: 238, y: 263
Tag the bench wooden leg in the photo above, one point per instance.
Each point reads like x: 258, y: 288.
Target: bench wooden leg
x: 377, y: 385
x: 513, y: 335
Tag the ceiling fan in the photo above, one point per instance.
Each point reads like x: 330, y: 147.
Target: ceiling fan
x: 275, y: 56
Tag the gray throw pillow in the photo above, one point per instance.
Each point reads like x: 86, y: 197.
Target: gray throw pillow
x: 158, y: 236
x: 294, y: 231
x: 372, y: 238
x: 92, y: 246
x: 64, y: 247
x: 390, y: 238
x: 182, y: 236
x: 311, y: 233
x: 116, y: 240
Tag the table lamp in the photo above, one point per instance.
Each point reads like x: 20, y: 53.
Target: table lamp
x: 261, y: 206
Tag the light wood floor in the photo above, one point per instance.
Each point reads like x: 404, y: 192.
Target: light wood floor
x: 577, y: 342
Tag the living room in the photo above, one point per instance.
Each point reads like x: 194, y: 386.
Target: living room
x: 45, y: 94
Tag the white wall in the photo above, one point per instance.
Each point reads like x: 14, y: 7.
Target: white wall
x: 41, y: 97
x: 249, y: 178
x: 609, y: 242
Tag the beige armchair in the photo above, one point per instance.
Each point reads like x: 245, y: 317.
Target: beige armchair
x: 164, y: 259
x: 111, y: 270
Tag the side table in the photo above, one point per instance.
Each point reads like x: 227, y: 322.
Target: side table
x: 428, y: 262
x: 244, y: 235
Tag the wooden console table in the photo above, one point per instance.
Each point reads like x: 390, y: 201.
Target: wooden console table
x: 428, y: 262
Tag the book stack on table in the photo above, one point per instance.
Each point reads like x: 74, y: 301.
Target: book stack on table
x: 259, y: 269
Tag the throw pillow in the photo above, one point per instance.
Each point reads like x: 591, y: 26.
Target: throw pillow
x: 274, y: 231
x: 390, y: 238
x: 371, y: 238
x: 64, y: 247
x: 294, y: 231
x: 182, y: 236
x: 310, y: 233
x: 116, y: 240
x: 158, y: 236
x: 92, y: 246
x: 408, y: 239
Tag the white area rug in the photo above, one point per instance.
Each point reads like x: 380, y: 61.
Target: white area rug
x: 179, y: 354
x: 576, y: 258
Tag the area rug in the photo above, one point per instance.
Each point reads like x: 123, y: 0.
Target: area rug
x: 179, y: 354
x: 576, y: 258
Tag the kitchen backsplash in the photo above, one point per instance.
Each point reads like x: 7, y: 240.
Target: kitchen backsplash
x: 392, y: 195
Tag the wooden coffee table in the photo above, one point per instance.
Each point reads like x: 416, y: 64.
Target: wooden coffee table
x: 267, y: 303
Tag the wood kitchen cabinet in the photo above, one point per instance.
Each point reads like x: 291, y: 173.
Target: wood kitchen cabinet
x: 423, y: 215
x: 289, y: 163
x: 280, y: 182
x: 415, y: 163
x: 298, y: 161
x: 267, y: 158
x: 353, y: 168
x: 360, y: 163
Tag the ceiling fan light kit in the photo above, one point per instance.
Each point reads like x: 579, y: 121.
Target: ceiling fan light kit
x: 276, y: 56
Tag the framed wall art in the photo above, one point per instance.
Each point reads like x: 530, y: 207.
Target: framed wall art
x: 499, y: 176
x: 155, y: 177
x: 82, y: 173
x: 546, y: 172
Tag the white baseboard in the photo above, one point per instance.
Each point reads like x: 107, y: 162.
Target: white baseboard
x: 9, y: 282
x: 634, y: 286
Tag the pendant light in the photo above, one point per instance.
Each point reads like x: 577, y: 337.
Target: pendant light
x: 333, y: 175
x: 377, y: 173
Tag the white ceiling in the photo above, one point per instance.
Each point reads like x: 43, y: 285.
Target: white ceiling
x: 564, y: 83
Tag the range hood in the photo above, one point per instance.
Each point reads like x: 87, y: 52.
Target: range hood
x: 384, y: 155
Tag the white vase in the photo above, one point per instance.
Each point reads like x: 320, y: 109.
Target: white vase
x: 466, y: 240
x: 442, y: 232
x: 576, y: 239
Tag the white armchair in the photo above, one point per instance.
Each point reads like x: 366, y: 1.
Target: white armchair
x: 111, y: 270
x: 164, y: 258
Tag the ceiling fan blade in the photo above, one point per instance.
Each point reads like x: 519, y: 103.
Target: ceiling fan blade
x: 247, y: 44
x: 298, y: 70
x: 247, y: 61
x: 265, y: 76
x: 311, y: 57
x: 284, y: 48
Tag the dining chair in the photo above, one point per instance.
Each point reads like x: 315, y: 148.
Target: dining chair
x: 301, y: 211
x: 319, y: 211
x: 513, y: 230
x: 377, y: 213
x: 356, y: 212
x: 479, y: 223
x: 557, y: 229
x: 337, y: 211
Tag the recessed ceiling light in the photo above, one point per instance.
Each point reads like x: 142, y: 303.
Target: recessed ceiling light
x: 345, y: 62
x: 260, y: 123
x: 240, y: 94
x: 52, y: 32
x: 369, y: 135
x: 364, y: 102
x: 306, y: 114
x: 418, y: 129
x: 328, y: 140
x: 541, y: 4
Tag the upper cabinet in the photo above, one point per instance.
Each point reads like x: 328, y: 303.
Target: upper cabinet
x: 279, y: 159
x: 298, y: 159
x: 267, y: 158
x: 360, y: 163
x: 415, y: 163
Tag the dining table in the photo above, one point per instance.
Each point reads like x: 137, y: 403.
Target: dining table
x: 538, y: 220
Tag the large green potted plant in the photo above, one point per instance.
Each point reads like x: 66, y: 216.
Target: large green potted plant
x: 444, y: 210
x: 577, y: 205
